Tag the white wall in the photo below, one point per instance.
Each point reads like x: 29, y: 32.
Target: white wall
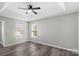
x: 10, y: 29
x: 0, y: 34
x: 78, y: 31
x: 59, y: 31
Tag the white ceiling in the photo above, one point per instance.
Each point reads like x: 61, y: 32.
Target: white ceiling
x: 10, y: 9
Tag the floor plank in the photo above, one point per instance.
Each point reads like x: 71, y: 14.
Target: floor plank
x: 33, y: 49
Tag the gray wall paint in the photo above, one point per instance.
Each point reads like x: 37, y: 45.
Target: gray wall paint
x: 59, y: 31
x: 10, y: 29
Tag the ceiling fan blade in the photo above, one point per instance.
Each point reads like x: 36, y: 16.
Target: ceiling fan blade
x: 30, y: 7
x: 23, y: 8
x: 36, y: 8
x: 34, y: 12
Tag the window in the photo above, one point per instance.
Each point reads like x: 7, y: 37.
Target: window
x: 34, y: 30
x: 19, y: 31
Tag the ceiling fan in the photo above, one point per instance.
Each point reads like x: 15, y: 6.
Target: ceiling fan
x: 30, y: 7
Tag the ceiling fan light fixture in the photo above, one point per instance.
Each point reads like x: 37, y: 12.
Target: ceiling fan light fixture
x: 30, y: 9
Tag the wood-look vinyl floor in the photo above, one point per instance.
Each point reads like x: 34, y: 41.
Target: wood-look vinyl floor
x: 34, y: 49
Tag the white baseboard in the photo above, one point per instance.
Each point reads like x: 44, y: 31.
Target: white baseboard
x: 14, y: 43
x: 57, y: 46
x: 2, y: 44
